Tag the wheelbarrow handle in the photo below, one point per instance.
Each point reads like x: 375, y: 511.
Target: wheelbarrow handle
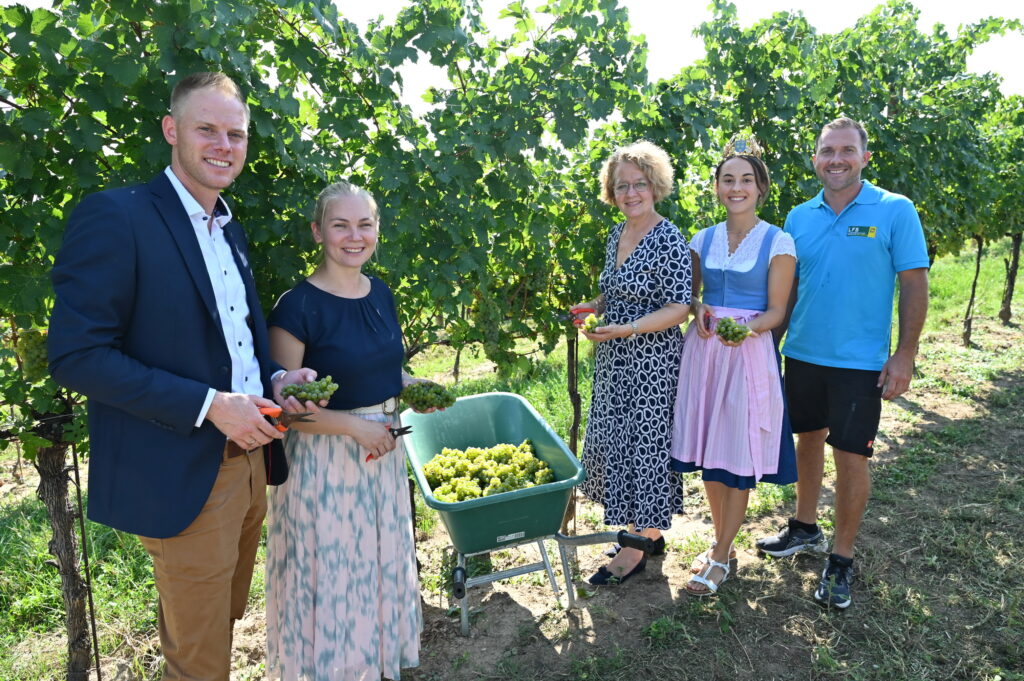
x: 635, y: 541
x: 459, y: 583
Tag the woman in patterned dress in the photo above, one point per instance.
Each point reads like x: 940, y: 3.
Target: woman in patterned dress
x: 730, y: 414
x: 343, y: 600
x: 645, y: 295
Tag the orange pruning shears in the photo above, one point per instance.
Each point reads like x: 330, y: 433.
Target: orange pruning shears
x: 281, y: 419
x: 574, y: 316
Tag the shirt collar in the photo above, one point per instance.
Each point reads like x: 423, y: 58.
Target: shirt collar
x: 192, y: 206
x: 868, y: 194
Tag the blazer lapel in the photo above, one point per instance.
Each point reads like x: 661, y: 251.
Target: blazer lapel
x: 180, y: 226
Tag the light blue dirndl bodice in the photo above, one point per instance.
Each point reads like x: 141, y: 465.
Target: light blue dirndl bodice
x: 742, y: 290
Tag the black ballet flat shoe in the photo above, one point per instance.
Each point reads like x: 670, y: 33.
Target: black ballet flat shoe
x: 604, y: 576
x: 658, y: 548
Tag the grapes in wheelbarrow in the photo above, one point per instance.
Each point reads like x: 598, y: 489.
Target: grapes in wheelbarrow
x: 457, y: 475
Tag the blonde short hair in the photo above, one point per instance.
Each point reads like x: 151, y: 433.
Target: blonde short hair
x: 201, y: 80
x: 652, y: 160
x: 339, y: 190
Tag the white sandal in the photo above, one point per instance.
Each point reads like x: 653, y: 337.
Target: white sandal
x: 703, y: 559
x: 702, y: 578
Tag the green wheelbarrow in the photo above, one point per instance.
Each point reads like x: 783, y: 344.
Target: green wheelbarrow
x: 509, y: 519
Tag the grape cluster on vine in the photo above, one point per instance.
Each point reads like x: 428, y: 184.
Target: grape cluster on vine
x: 314, y: 391
x: 591, y: 322
x: 731, y: 331
x: 457, y: 475
x: 424, y: 395
x: 31, y: 349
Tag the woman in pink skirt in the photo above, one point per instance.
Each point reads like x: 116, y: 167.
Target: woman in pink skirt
x: 730, y: 420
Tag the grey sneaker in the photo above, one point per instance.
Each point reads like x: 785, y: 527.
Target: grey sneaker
x: 792, y: 539
x: 834, y: 589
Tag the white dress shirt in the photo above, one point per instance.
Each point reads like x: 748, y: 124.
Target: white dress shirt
x: 228, y: 290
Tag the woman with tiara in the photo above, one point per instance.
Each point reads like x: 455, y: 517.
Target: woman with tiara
x: 730, y: 420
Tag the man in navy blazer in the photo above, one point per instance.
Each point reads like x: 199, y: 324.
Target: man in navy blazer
x: 157, y: 321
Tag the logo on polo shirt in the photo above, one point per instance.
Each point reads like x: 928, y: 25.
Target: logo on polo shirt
x: 861, y: 230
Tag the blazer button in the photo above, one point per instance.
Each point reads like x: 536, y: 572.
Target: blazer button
x: 224, y: 370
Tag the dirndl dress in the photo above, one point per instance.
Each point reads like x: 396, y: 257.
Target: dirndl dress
x: 730, y: 418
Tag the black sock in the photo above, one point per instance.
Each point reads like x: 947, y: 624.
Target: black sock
x: 809, y: 528
x: 840, y: 560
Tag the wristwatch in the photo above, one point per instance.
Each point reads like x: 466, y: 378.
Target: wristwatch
x: 635, y: 327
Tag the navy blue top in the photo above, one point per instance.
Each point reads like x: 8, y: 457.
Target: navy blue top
x: 357, y: 341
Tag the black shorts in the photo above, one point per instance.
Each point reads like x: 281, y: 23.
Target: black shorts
x: 846, y: 401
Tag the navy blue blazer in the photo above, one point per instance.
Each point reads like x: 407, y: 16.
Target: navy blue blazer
x: 135, y: 328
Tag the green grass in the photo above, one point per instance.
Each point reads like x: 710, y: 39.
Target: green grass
x: 30, y: 589
x: 441, y: 360
x: 544, y: 385
x: 426, y: 517
x: 950, y: 284
x: 30, y: 596
x: 767, y: 498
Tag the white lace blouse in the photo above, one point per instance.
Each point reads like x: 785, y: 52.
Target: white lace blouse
x: 745, y: 255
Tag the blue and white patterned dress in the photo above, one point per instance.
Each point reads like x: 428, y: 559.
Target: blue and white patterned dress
x: 629, y: 428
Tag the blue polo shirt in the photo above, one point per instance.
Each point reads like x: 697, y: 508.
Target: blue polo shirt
x: 847, y: 265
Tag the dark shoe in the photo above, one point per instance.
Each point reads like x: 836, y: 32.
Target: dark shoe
x: 658, y: 548
x: 834, y: 589
x: 604, y: 576
x: 792, y: 539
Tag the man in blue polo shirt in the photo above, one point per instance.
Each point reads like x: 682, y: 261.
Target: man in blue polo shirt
x: 853, y: 240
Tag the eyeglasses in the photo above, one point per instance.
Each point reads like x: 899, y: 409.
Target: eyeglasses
x: 624, y: 187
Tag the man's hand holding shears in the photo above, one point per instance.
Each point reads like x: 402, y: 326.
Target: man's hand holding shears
x: 240, y: 418
x: 282, y: 419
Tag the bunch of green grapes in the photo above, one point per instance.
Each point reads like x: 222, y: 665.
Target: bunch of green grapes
x: 591, y: 322
x: 313, y: 391
x: 731, y: 331
x: 423, y: 395
x: 458, y: 489
x: 456, y: 475
x: 31, y: 351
